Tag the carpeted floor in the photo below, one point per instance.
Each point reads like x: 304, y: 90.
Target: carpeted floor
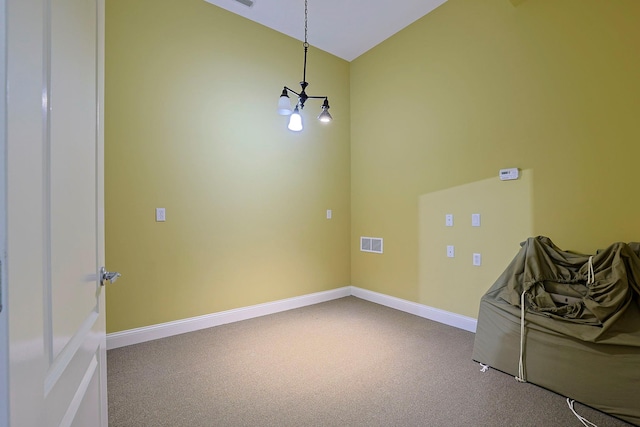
x: 346, y: 362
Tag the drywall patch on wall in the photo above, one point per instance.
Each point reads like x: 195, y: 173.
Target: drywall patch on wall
x: 455, y: 284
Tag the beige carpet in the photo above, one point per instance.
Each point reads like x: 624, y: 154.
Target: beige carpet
x: 346, y: 362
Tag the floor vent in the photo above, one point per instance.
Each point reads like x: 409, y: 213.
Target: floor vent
x: 247, y: 3
x: 371, y: 244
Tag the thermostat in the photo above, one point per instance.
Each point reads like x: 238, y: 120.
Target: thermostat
x: 508, y: 174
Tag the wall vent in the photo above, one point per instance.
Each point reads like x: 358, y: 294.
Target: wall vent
x: 371, y: 244
x: 248, y: 3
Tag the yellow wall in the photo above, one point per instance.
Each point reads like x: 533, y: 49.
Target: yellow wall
x: 191, y: 126
x: 548, y: 86
x: 422, y: 124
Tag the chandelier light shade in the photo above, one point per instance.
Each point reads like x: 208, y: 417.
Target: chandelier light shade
x: 295, y: 120
x: 284, y: 103
x: 325, y: 117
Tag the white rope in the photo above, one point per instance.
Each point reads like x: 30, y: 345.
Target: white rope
x: 520, y: 376
x: 585, y: 422
x: 485, y: 368
x: 591, y: 277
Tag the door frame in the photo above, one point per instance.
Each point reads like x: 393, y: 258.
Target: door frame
x: 101, y: 14
x: 4, y: 324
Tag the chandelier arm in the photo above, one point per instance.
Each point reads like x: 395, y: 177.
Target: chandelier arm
x: 292, y: 91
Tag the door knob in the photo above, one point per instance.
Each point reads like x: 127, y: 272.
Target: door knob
x: 110, y: 276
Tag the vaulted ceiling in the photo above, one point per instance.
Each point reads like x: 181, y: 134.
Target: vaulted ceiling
x: 345, y: 28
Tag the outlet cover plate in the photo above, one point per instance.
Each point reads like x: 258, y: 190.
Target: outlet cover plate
x: 448, y: 220
x: 160, y: 215
x: 451, y: 251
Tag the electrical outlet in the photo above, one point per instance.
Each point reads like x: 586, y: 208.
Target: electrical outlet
x: 448, y: 220
x: 451, y: 252
x: 160, y: 215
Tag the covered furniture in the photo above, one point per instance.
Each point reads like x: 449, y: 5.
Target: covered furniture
x: 581, y: 331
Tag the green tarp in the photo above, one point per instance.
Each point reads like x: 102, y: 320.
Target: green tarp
x: 582, y: 324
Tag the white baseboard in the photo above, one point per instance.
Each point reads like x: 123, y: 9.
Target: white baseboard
x: 163, y: 330
x: 441, y: 316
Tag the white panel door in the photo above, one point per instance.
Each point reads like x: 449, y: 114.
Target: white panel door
x: 55, y: 222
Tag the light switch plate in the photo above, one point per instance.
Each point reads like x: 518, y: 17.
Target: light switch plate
x: 475, y: 220
x: 477, y: 259
x: 451, y: 252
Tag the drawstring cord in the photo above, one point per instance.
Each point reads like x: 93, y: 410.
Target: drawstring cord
x: 520, y: 377
x: 591, y: 277
x: 585, y: 422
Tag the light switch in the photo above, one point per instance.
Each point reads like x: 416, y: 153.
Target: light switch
x: 475, y: 220
x: 329, y: 213
x: 160, y: 215
x: 477, y: 259
x: 448, y: 220
x: 451, y: 252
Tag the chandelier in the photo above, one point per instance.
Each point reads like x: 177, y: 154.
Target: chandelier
x: 284, y: 103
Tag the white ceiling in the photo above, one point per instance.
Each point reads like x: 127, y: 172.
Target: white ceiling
x: 345, y: 28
